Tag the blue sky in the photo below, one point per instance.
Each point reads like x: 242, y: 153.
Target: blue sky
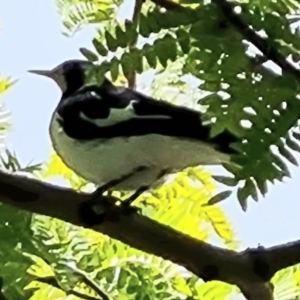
x: 31, y: 38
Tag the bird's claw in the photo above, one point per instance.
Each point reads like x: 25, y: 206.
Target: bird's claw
x: 125, y: 205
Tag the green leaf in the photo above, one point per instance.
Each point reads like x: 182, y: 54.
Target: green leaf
x: 183, y: 39
x: 287, y: 154
x: 76, y: 13
x: 150, y: 56
x: 91, y: 56
x: 144, y: 29
x: 161, y: 52
x: 262, y: 185
x: 292, y: 144
x: 243, y: 194
x: 296, y: 135
x: 127, y: 65
x: 281, y: 164
x: 100, y: 47
x: 232, y: 168
x: 153, y: 24
x: 114, y: 69
x: 251, y: 189
x: 230, y: 181
x: 219, y: 197
x: 10, y: 162
x: 121, y: 37
x: 131, y: 32
x: 111, y: 42
x: 137, y: 59
x: 196, y: 30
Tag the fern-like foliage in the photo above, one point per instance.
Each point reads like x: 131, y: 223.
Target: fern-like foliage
x: 5, y: 84
x: 10, y: 163
x: 76, y: 13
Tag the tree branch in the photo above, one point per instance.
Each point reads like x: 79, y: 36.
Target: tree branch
x: 135, y: 18
x: 282, y: 256
x: 250, y: 270
x: 262, y: 44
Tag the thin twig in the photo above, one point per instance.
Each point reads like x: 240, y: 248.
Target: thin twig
x: 90, y: 283
x: 135, y: 19
x: 51, y: 280
x: 82, y: 295
x: 167, y: 4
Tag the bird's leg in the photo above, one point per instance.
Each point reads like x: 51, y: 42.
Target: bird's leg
x: 93, y: 203
x: 109, y: 185
x: 127, y: 202
x: 90, y: 210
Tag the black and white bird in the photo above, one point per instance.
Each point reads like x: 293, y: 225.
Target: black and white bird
x: 104, y: 132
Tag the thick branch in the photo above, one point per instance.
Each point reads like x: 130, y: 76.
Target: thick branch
x: 251, y: 270
x: 283, y: 256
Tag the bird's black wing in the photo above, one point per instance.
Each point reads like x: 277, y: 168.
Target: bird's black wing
x: 122, y: 112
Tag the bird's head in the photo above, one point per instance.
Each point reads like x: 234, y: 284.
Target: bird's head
x: 69, y: 76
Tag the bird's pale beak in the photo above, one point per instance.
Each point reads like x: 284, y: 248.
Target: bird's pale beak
x: 42, y: 72
x: 52, y: 74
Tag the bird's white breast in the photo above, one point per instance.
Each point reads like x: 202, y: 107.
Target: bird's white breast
x: 100, y: 161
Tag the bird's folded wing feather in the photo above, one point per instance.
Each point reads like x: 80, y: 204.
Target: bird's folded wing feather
x: 96, y: 112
